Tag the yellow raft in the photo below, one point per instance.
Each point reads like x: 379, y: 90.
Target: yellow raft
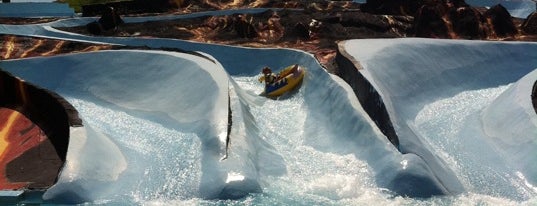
x: 287, y: 79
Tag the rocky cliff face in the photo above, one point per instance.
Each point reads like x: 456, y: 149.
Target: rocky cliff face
x: 530, y: 24
x: 467, y: 23
x: 449, y: 19
x: 501, y: 22
x: 454, y: 22
x: 320, y: 24
x: 129, y: 7
x: 35, y: 131
x: 392, y: 7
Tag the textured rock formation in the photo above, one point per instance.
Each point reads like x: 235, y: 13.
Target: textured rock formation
x: 94, y: 28
x: 458, y: 3
x: 466, y: 22
x: 144, y: 7
x: 429, y: 22
x: 501, y: 21
x: 34, y: 134
x: 530, y: 24
x: 28, y: 157
x: 334, y: 20
x: 448, y: 19
x: 392, y: 7
x: 457, y: 20
x: 315, y: 32
x: 20, y: 21
x: 14, y: 47
x: 244, y: 27
x: 109, y: 20
x: 129, y: 7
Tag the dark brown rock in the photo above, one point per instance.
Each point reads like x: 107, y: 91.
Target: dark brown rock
x: 24, y: 47
x: 373, y: 22
x: 272, y: 29
x: 429, y: 23
x: 28, y: 159
x: 110, y: 19
x: 154, y: 6
x: 467, y: 22
x: 39, y: 122
x: 94, y: 28
x: 392, y: 7
x: 38, y: 166
x: 302, y: 31
x: 48, y: 110
x: 530, y: 24
x: 243, y: 27
x: 130, y: 7
x: 458, y: 3
x: 501, y: 20
x: 22, y: 20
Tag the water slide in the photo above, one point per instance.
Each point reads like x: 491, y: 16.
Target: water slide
x: 137, y: 109
x: 156, y: 124
x: 461, y: 100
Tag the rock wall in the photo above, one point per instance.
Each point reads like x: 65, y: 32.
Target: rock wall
x: 34, y: 134
x: 529, y: 26
x: 369, y: 98
x: 453, y: 19
x: 46, y: 109
x: 128, y: 7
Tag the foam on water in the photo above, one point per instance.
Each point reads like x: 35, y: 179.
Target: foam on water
x: 446, y: 122
x: 448, y: 95
x: 313, y: 173
x: 163, y: 163
x: 315, y: 146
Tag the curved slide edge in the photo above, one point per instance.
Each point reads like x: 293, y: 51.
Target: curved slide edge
x: 510, y: 122
x: 36, y: 126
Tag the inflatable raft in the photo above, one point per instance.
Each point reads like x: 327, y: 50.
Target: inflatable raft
x: 286, y: 80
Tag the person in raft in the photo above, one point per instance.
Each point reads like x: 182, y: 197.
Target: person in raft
x: 268, y: 76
